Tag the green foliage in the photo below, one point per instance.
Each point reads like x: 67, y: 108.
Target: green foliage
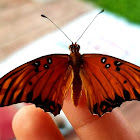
x: 130, y: 9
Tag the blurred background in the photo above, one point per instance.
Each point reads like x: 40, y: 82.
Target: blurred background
x: 25, y: 35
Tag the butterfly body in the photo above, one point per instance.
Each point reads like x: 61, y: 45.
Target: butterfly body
x: 76, y: 63
x: 105, y: 80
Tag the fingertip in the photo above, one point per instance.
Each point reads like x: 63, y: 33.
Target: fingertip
x: 109, y: 126
x: 33, y: 123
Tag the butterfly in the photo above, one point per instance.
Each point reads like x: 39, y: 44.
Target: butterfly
x: 105, y: 80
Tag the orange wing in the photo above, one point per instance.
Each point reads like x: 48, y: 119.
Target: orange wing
x: 43, y: 81
x: 108, y: 82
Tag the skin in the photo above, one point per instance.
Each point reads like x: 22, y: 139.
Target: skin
x: 32, y: 123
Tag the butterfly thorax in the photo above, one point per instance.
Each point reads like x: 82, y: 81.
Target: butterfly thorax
x: 76, y: 62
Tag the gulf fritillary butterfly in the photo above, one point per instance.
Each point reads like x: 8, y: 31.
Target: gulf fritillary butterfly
x: 107, y: 81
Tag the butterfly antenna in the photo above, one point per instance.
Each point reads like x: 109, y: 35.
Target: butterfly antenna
x: 90, y: 24
x: 56, y: 26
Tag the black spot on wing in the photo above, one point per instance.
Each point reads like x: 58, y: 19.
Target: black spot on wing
x: 126, y: 95
x: 29, y: 96
x: 117, y: 69
x: 37, y: 101
x: 117, y: 63
x: 107, y: 65
x: 46, y: 66
x: 36, y: 69
x: 125, y: 82
x: 49, y: 60
x: 30, y: 83
x: 103, y: 60
x: 36, y: 64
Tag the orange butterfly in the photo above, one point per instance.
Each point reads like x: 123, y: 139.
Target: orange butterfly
x: 107, y: 81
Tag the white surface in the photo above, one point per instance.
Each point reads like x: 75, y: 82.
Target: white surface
x: 107, y: 35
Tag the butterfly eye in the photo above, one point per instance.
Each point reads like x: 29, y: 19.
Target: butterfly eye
x: 71, y: 48
x: 78, y: 46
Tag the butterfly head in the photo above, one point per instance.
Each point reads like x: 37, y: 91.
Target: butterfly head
x: 74, y: 48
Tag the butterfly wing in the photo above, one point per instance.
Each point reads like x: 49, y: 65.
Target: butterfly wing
x: 108, y: 82
x: 43, y: 81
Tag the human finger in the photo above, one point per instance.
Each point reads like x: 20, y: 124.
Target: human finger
x: 34, y: 124
x: 110, y: 126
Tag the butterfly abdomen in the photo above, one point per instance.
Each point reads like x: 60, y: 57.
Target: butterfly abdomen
x: 77, y: 88
x: 76, y: 62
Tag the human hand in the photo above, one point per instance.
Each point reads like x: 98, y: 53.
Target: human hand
x: 31, y: 123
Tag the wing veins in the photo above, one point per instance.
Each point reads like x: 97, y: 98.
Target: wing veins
x: 55, y: 83
x: 100, y: 82
x: 45, y: 82
x: 12, y: 74
x: 11, y: 97
x: 130, y: 76
x: 125, y: 78
x: 9, y: 87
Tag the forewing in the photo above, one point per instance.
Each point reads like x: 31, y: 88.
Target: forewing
x: 108, y: 82
x: 43, y: 81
